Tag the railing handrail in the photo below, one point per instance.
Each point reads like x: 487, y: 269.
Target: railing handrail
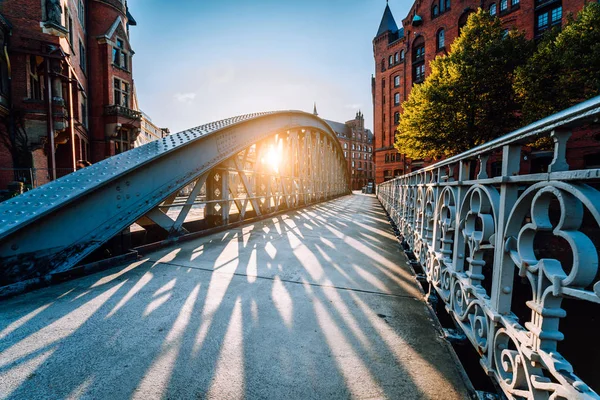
x: 492, y: 247
x: 574, y: 114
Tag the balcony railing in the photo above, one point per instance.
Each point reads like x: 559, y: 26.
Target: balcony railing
x: 121, y: 111
x: 509, y: 255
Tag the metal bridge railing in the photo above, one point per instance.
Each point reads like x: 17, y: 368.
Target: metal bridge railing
x: 514, y: 256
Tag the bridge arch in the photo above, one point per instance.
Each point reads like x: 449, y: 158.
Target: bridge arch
x: 230, y: 166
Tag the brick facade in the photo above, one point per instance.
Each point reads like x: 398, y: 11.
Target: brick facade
x: 357, y: 143
x: 402, y: 57
x: 66, y: 58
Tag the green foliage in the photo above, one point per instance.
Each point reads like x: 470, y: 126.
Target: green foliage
x: 468, y: 98
x: 564, y: 70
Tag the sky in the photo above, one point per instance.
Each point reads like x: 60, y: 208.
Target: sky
x: 198, y: 61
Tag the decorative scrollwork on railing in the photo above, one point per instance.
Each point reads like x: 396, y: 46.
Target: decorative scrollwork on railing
x: 477, y: 238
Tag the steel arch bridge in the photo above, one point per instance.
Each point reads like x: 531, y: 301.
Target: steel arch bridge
x: 246, y: 166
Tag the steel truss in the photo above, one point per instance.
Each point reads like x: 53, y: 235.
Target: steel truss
x: 218, y: 173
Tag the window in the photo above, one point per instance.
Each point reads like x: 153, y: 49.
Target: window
x: 345, y: 145
x: 383, y: 64
x: 383, y: 101
x: 447, y: 4
x: 419, y: 53
x: 542, y: 21
x: 493, y: 9
x: 396, y: 118
x: 360, y: 164
x: 364, y: 148
x: 462, y: 20
x: 419, y: 73
x: 352, y: 164
x: 383, y: 83
x: 81, y: 13
x: 81, y: 56
x: 346, y: 154
x: 391, y: 60
x: 503, y: 5
x: 69, y: 23
x: 393, y: 158
x: 441, y: 40
x: 442, y: 6
x: 397, y: 81
x: 353, y: 147
x: 387, y: 158
x: 353, y: 155
x: 121, y: 93
x: 514, y: 3
x: 83, y: 118
x: 364, y: 156
x: 434, y: 11
x: 396, y: 99
x: 396, y: 57
x: 35, y: 87
x: 402, y: 55
x: 556, y: 15
x: 119, y: 56
x: 547, y: 18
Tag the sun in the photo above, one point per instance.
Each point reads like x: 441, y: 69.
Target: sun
x: 273, y: 156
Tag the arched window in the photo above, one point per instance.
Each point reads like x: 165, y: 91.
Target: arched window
x: 434, y: 11
x: 441, y: 39
x: 462, y: 20
x: 442, y: 6
x: 391, y: 60
x: 402, y: 55
x: 396, y: 57
x: 493, y: 9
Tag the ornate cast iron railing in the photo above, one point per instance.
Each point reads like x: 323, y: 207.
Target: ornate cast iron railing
x: 117, y: 110
x: 508, y: 253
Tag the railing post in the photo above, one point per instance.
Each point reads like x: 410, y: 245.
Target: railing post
x: 502, y: 280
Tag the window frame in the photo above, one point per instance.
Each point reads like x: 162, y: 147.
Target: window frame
x: 503, y: 6
x: 397, y: 98
x: 82, y: 57
x: 124, y: 92
x: 495, y: 8
x: 440, y: 44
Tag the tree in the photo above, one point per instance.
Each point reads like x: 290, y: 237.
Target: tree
x: 468, y: 97
x: 565, y: 68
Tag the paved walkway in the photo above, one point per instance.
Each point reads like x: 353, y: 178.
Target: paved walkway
x: 316, y: 303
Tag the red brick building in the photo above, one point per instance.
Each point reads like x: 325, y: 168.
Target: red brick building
x: 402, y: 56
x: 69, y: 90
x: 357, y: 143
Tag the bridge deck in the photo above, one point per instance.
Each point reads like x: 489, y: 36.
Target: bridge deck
x: 316, y: 303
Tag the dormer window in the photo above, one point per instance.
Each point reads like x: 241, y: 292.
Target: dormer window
x: 119, y: 55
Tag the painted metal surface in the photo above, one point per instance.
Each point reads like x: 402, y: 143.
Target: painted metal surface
x: 479, y: 238
x: 53, y: 227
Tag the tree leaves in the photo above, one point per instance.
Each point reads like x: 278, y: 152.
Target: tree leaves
x: 564, y: 70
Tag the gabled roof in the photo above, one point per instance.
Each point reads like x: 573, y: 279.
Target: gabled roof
x: 387, y: 22
x: 339, y: 127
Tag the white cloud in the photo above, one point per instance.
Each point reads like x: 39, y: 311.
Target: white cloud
x: 185, y: 97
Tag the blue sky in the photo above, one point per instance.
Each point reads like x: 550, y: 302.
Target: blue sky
x: 198, y: 61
